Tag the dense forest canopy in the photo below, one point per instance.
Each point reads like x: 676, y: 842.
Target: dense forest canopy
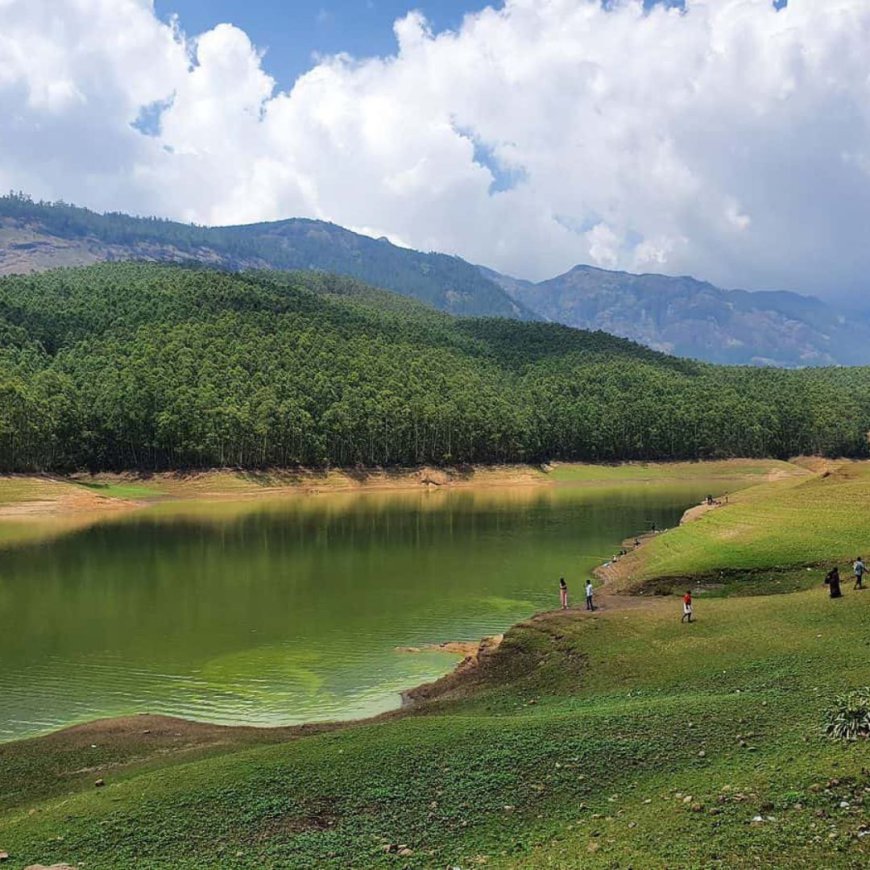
x: 444, y: 282
x: 153, y: 367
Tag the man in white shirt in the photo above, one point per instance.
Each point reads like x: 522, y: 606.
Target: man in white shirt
x: 589, y: 604
x: 859, y: 568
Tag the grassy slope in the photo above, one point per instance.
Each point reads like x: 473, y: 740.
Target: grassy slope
x: 747, y: 470
x: 577, y: 745
x: 787, y: 524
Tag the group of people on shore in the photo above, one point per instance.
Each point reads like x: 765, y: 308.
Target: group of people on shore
x: 563, y: 594
x: 832, y: 578
x: 688, y: 611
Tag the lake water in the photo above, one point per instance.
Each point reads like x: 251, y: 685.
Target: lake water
x: 284, y: 612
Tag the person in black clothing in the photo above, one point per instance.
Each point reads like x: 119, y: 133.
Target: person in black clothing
x: 832, y: 580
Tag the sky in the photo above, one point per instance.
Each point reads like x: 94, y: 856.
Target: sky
x: 293, y: 34
x: 727, y: 139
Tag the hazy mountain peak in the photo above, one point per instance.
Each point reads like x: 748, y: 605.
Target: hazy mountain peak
x: 690, y: 317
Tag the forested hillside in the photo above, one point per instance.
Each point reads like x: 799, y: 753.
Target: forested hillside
x: 37, y: 235
x: 681, y: 316
x: 152, y: 367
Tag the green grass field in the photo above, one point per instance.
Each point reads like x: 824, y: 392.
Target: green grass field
x: 786, y: 524
x: 729, y: 469
x: 121, y: 490
x: 624, y: 739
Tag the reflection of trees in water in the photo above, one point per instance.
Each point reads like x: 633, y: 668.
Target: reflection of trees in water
x: 316, y: 591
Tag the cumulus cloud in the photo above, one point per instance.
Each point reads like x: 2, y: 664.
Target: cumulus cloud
x: 730, y: 140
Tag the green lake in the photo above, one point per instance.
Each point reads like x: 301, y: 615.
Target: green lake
x: 289, y: 611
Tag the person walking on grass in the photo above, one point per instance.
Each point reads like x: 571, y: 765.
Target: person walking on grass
x: 859, y: 569
x: 832, y: 581
x: 563, y: 593
x: 589, y: 604
x: 687, y: 607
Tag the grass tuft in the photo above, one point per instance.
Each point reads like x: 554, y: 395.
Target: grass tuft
x: 849, y: 717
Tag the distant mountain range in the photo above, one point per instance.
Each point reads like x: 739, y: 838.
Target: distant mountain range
x: 691, y: 318
x: 681, y: 316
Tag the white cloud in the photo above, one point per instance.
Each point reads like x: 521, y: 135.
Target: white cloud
x: 730, y: 141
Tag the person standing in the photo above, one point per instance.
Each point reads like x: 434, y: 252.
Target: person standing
x: 563, y: 593
x: 687, y: 607
x: 589, y: 604
x: 859, y: 569
x: 832, y: 581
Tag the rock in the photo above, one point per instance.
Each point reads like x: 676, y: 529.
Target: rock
x: 406, y: 852
x: 99, y: 783
x: 702, y: 754
x: 432, y: 477
x: 4, y: 856
x: 51, y: 867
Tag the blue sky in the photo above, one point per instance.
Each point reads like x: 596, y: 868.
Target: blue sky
x: 293, y: 31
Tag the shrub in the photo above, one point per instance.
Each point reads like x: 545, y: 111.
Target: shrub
x: 849, y: 716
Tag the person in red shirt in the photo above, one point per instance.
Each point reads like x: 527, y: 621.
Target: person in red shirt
x: 687, y: 607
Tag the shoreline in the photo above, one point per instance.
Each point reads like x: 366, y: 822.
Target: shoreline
x: 40, y: 495
x: 37, y: 496
x: 414, y: 699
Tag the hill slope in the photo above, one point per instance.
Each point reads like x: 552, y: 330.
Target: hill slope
x: 151, y: 366
x: 695, y: 319
x: 39, y: 236
x: 682, y: 316
x: 620, y: 738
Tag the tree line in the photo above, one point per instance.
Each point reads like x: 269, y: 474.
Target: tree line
x: 143, y: 366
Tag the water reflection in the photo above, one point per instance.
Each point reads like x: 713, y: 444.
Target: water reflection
x: 289, y: 611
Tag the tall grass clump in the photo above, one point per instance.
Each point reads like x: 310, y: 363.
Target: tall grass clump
x: 849, y: 716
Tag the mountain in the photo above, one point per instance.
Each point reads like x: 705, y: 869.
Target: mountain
x: 154, y: 366
x: 691, y: 318
x: 38, y: 236
x: 680, y: 316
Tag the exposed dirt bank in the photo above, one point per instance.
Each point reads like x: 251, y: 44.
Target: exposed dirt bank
x: 29, y: 497
x: 25, y: 497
